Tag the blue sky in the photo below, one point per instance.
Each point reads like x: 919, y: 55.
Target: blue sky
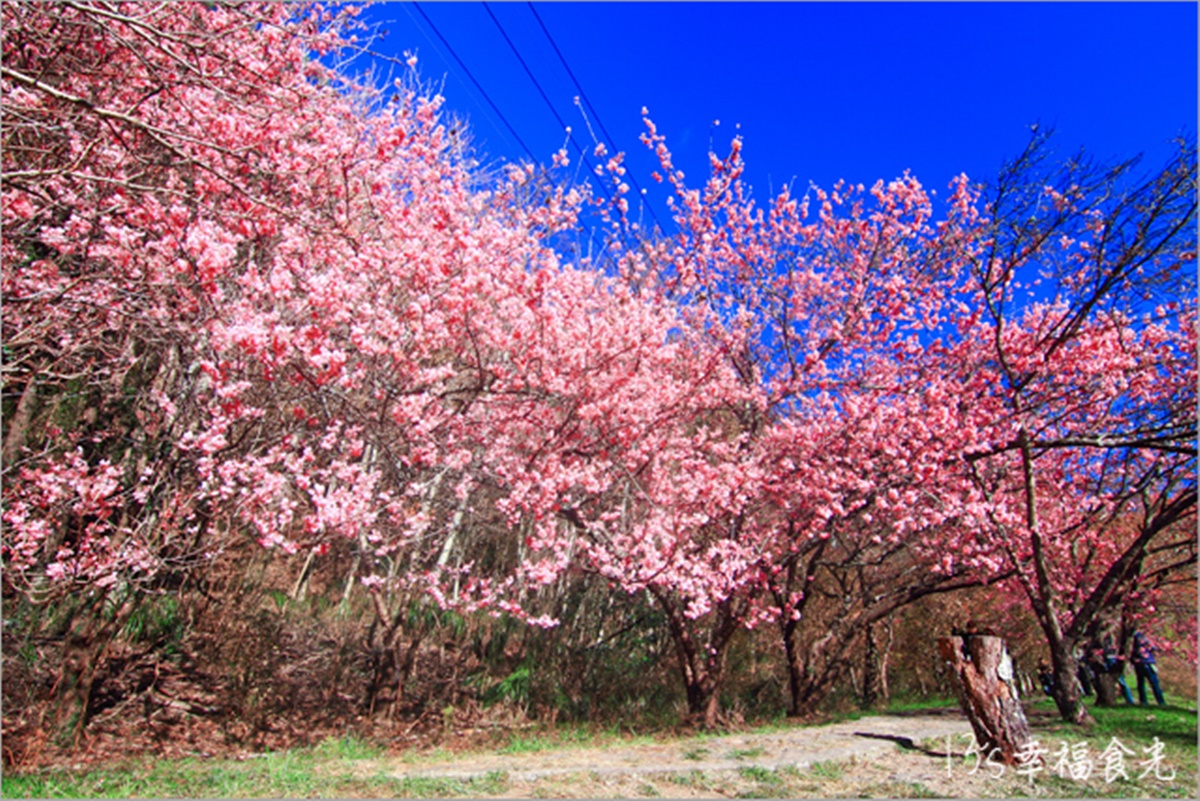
x: 822, y: 91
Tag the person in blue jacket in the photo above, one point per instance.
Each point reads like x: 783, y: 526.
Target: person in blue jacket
x: 1146, y: 666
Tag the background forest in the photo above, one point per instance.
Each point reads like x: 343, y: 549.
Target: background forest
x: 312, y: 425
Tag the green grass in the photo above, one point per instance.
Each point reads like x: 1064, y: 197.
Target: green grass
x: 1140, y: 730
x: 347, y: 748
x: 694, y: 778
x: 565, y: 737
x: 1174, y: 725
x: 342, y: 767
x: 745, y: 753
x: 326, y: 771
x: 896, y: 706
x: 917, y: 703
x: 527, y: 745
x: 898, y: 790
x: 761, y: 775
x: 428, y: 787
x: 827, y: 770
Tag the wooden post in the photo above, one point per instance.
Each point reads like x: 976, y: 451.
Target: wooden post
x: 982, y: 672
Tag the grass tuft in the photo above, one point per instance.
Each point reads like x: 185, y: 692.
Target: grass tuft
x: 746, y: 753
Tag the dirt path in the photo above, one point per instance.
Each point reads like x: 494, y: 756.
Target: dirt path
x: 918, y: 755
x: 864, y: 740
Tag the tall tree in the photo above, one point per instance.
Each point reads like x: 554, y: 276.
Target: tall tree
x: 832, y: 317
x: 243, y: 297
x: 1081, y: 352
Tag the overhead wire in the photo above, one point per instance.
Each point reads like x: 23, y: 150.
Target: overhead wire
x: 582, y: 152
x: 562, y: 59
x: 466, y: 87
x: 542, y: 92
x: 492, y: 103
x: 486, y: 96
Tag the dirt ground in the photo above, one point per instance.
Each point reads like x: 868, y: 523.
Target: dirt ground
x: 893, y: 756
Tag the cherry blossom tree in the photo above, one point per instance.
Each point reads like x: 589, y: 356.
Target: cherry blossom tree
x: 833, y: 324
x: 624, y: 469
x: 1085, y: 393
x: 875, y: 426
x: 140, y: 173
x: 243, y: 297
x: 249, y: 298
x: 322, y: 329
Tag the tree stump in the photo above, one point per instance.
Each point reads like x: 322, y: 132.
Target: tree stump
x: 982, y: 672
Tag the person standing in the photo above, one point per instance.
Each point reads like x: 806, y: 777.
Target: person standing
x: 1145, y: 664
x: 1046, y: 677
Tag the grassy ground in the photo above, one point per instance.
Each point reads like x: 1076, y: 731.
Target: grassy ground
x: 330, y: 770
x: 349, y: 768
x: 1141, y: 734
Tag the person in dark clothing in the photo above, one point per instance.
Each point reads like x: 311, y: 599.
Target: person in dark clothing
x: 1046, y: 677
x: 1145, y: 663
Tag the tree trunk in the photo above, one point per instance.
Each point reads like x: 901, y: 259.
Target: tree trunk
x: 84, y: 646
x: 706, y: 707
x: 869, y: 694
x: 875, y: 659
x: 73, y: 688
x: 18, y: 426
x: 795, y: 667
x: 701, y: 665
x: 702, y: 684
x: 1068, y: 692
x: 983, y: 677
x: 1108, y: 691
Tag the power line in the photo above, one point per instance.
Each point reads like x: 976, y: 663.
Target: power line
x: 486, y: 97
x: 465, y: 86
x: 493, y: 104
x: 571, y: 136
x: 538, y: 86
x: 562, y: 59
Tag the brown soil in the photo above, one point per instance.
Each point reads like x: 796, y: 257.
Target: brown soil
x: 895, y: 756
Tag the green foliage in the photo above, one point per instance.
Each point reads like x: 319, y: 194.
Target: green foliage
x: 695, y: 779
x: 280, y: 598
x: 913, y: 703
x: 512, y: 689
x: 21, y: 620
x: 761, y: 775
x: 560, y: 738
x: 526, y: 745
x: 903, y: 790
x: 1174, y: 725
x: 158, y: 619
x: 427, y: 616
x: 424, y: 787
x: 1137, y: 727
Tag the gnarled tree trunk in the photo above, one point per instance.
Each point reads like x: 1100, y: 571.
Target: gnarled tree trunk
x: 983, y: 676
